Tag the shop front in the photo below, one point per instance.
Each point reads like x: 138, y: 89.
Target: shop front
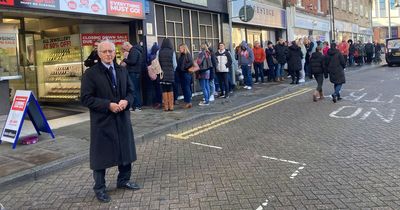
x: 306, y: 25
x: 344, y: 31
x: 52, y: 40
x: 258, y: 22
x: 365, y: 34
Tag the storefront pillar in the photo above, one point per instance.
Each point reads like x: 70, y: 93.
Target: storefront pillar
x: 4, y: 97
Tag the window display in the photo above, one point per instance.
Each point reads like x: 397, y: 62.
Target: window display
x: 8, y: 51
x: 59, y: 68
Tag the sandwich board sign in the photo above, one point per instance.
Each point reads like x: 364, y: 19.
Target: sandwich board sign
x: 24, y: 103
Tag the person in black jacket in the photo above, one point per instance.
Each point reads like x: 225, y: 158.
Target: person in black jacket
x: 107, y: 91
x: 369, y: 50
x: 318, y: 71
x: 93, y: 57
x: 133, y: 58
x: 352, y: 50
x: 281, y: 55
x: 167, y: 59
x: 224, y: 62
x: 294, y: 62
x: 185, y: 61
x: 335, y: 65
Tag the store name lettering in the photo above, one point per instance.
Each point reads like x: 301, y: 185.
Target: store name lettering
x: 125, y: 7
x: 57, y: 43
x: 264, y: 11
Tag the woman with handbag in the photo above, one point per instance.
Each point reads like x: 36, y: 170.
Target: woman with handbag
x: 205, y: 65
x: 185, y: 62
x: 167, y: 59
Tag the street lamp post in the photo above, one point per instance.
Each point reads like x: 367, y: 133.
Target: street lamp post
x: 390, y: 21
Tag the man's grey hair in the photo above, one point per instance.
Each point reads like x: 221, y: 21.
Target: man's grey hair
x: 100, y: 46
x: 127, y: 44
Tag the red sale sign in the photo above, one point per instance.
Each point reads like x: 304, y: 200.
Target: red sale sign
x: 7, y: 2
x: 19, y: 103
x: 125, y: 8
x: 116, y: 38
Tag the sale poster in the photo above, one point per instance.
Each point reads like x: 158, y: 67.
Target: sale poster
x: 123, y: 8
x: 7, y: 2
x: 116, y: 38
x: 97, y: 7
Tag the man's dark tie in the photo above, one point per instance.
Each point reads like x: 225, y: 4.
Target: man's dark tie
x: 114, y: 81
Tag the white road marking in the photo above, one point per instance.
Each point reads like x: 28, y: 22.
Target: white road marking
x: 283, y: 160
x: 206, y: 145
x: 261, y: 207
x: 296, y: 172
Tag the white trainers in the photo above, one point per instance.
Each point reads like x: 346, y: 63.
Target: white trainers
x: 203, y: 103
x: 212, y: 98
x: 245, y: 87
x: 249, y: 88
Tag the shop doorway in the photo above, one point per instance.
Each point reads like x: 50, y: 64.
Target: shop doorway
x: 253, y: 36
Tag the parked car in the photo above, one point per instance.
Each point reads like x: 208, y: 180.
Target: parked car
x: 392, y: 54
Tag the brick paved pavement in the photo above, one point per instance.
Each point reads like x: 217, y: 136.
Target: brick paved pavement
x: 351, y: 162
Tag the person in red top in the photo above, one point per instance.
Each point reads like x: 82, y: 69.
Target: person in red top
x: 325, y: 49
x: 259, y: 57
x: 344, y: 49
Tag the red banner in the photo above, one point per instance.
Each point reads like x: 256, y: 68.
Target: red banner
x: 19, y: 103
x: 116, y: 38
x: 125, y: 8
x: 7, y: 2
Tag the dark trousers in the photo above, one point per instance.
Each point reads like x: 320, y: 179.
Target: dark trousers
x: 223, y: 82
x: 167, y: 87
x: 369, y: 57
x: 135, y: 79
x: 320, y: 81
x: 157, y: 91
x: 295, y: 76
x: 259, y: 71
x: 185, y: 79
x: 100, y: 181
x: 271, y: 72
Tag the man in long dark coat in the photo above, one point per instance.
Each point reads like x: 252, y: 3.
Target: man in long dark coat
x: 107, y: 92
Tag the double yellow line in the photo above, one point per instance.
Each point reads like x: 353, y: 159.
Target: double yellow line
x: 225, y: 120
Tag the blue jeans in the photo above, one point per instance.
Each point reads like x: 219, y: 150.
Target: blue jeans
x: 212, y: 87
x: 186, y: 80
x: 337, y: 87
x: 259, y: 71
x: 246, y: 71
x: 137, y: 96
x: 279, y: 69
x: 205, y: 86
x: 351, y: 60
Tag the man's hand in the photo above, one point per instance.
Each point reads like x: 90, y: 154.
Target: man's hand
x: 123, y: 104
x: 114, y: 107
x: 126, y: 54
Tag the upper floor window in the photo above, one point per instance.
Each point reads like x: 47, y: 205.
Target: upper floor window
x: 344, y: 4
x: 319, y: 6
x: 299, y: 3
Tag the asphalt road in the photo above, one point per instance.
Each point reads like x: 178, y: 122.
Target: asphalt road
x: 285, y: 153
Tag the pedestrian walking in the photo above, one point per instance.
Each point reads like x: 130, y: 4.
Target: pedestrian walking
x: 185, y: 61
x: 317, y: 67
x: 203, y: 75
x: 157, y: 100
x: 259, y: 57
x: 335, y: 65
x: 281, y: 51
x: 246, y: 59
x: 294, y: 62
x: 224, y: 59
x: 133, y: 57
x: 167, y: 59
x: 272, y: 62
x: 107, y: 91
x: 93, y: 58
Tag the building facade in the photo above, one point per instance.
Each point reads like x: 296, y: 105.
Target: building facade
x: 380, y: 19
x: 352, y: 20
x: 308, y: 18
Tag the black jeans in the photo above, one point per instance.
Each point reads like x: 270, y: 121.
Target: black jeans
x: 223, y: 82
x: 369, y: 57
x: 167, y: 87
x: 295, y: 76
x: 259, y: 71
x: 320, y: 81
x: 123, y: 177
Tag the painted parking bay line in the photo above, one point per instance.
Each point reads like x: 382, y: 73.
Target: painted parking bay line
x: 225, y: 120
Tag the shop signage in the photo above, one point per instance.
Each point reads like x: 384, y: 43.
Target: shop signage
x: 40, y: 4
x: 125, y: 8
x: 24, y: 103
x: 366, y: 31
x: 7, y: 2
x: 196, y: 2
x: 58, y: 42
x: 258, y: 14
x: 97, y: 7
x: 116, y: 38
x: 311, y: 23
x: 8, y: 41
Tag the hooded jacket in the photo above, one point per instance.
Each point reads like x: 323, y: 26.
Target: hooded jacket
x: 134, y: 61
x: 224, y: 59
x: 166, y: 57
x: 294, y: 58
x: 335, y: 65
x: 245, y: 57
x: 317, y: 63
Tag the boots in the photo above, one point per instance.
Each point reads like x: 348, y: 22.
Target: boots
x: 315, y: 96
x: 165, y: 101
x: 170, y: 101
x: 321, y: 95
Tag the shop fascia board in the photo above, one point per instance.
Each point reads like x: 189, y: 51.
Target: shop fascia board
x: 383, y: 22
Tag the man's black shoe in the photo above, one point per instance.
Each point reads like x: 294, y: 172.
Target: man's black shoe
x: 130, y: 186
x: 103, y: 197
x: 334, y: 98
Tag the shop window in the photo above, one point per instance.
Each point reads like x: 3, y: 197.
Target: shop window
x: 186, y: 22
x: 170, y: 29
x: 216, y: 26
x: 209, y: 31
x: 178, y: 29
x: 188, y: 43
x: 160, y: 17
x: 203, y: 32
x: 205, y: 18
x: 196, y: 45
x: 179, y: 42
x: 173, y: 14
x: 195, y: 24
